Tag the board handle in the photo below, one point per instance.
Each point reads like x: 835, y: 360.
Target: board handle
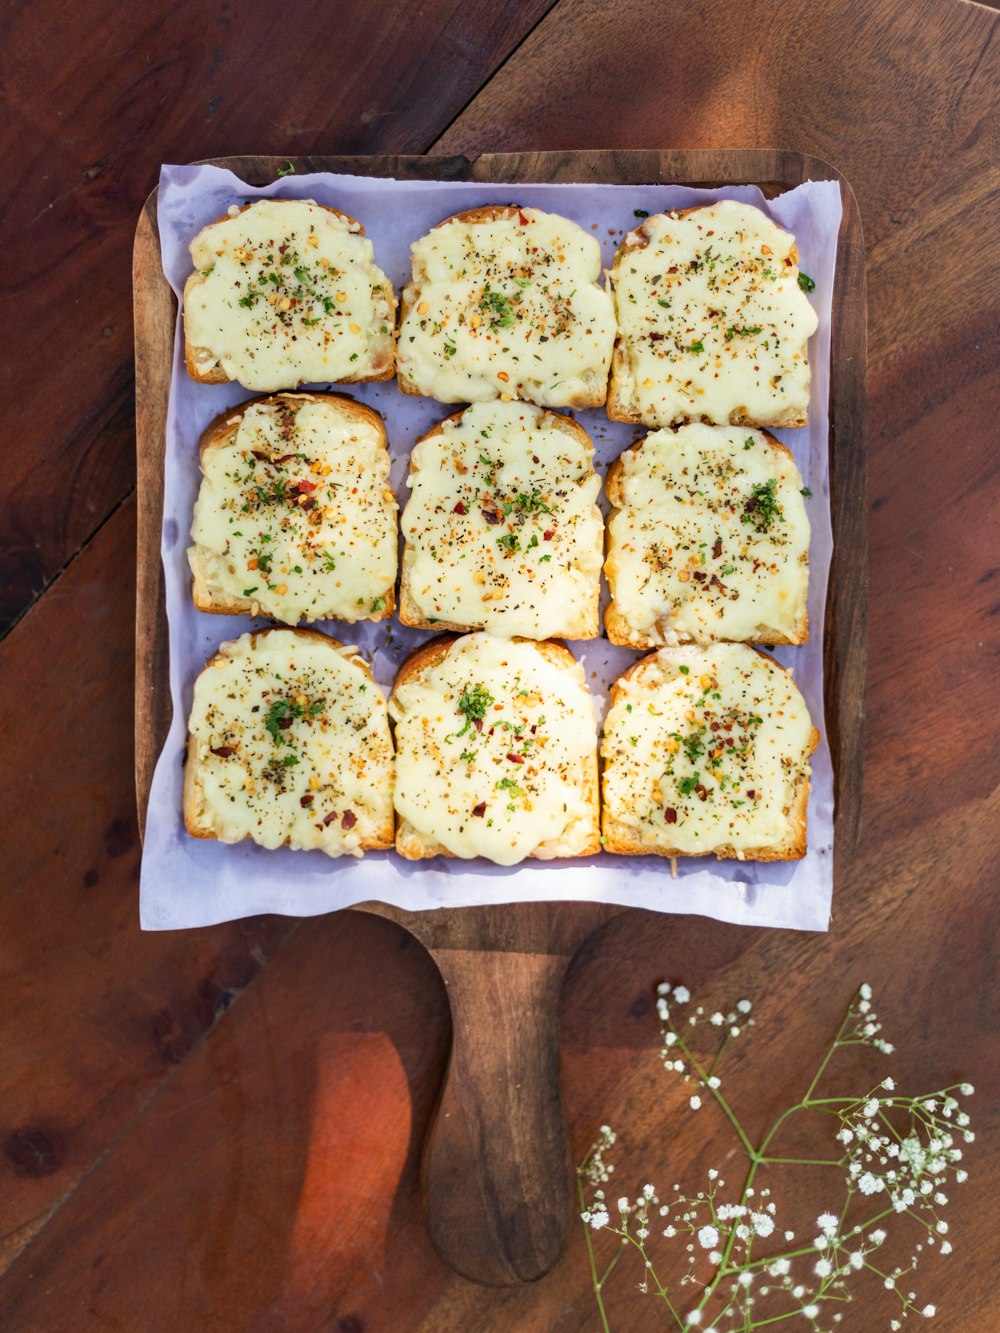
x: 496, y: 1164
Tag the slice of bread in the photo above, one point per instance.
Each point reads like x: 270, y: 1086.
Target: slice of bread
x: 505, y: 303
x: 712, y: 323
x: 496, y: 752
x: 295, y: 518
x: 289, y: 745
x: 708, y: 540
x: 502, y: 527
x: 286, y: 292
x: 706, y: 750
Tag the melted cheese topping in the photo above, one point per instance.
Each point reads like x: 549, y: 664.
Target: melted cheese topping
x: 288, y: 294
x: 502, y: 525
x: 295, y: 514
x: 293, y: 745
x: 507, y: 307
x: 711, y: 540
x: 713, y: 324
x: 704, y: 749
x: 496, y: 752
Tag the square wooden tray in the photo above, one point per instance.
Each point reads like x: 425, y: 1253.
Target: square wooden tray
x: 497, y: 1213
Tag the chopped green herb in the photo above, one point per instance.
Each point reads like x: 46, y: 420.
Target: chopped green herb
x: 806, y: 283
x: 473, y: 704
x: 509, y: 542
x: 762, y: 509
x: 687, y: 785
x: 288, y: 170
x: 806, y: 492
x: 684, y: 670
x: 640, y: 213
x: 699, y: 346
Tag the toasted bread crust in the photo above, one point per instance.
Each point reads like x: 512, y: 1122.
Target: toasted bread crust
x: 215, y: 374
x: 622, y: 840
x: 192, y: 788
x: 415, y: 846
x: 616, y: 402
x: 587, y: 624
x: 474, y: 217
x: 617, y: 628
x: 222, y: 431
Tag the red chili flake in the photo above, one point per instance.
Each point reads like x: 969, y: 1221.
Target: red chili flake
x: 670, y: 814
x: 328, y: 819
x: 479, y: 810
x: 460, y: 508
x: 657, y: 337
x: 751, y: 795
x: 522, y: 219
x: 259, y: 455
x: 534, y: 458
x: 516, y: 758
x: 477, y: 722
x: 699, y: 576
x: 673, y: 269
x: 701, y: 792
x: 548, y: 534
x: 713, y: 726
x: 284, y: 458
x: 308, y: 504
x: 492, y: 516
x: 223, y: 751
x: 717, y: 548
x: 306, y: 800
x: 305, y: 487
x: 349, y: 819
x: 716, y: 582
x: 284, y: 723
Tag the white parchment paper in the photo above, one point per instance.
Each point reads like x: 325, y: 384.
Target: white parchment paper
x: 191, y: 882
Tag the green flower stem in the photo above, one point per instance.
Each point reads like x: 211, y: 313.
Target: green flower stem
x: 593, y: 1262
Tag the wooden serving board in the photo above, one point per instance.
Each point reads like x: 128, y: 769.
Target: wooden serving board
x: 496, y: 1167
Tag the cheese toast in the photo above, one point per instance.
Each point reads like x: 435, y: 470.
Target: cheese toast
x: 706, y: 751
x: 286, y: 292
x: 712, y: 322
x: 496, y: 752
x: 502, y: 528
x: 505, y: 303
x: 294, y: 517
x: 708, y: 540
x: 289, y: 745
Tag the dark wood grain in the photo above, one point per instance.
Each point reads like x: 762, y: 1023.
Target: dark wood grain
x: 96, y: 1016
x: 97, y: 96
x: 499, y: 1126
x: 178, y: 1196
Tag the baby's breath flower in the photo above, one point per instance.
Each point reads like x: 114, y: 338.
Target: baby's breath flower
x: 903, y: 1148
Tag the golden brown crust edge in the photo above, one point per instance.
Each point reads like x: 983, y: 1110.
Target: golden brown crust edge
x: 617, y: 627
x: 616, y: 408
x: 586, y: 626
x: 221, y: 431
x: 622, y: 840
x: 414, y: 846
x: 215, y: 374
x: 191, y: 795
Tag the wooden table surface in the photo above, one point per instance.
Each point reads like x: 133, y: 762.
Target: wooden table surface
x: 220, y: 1129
